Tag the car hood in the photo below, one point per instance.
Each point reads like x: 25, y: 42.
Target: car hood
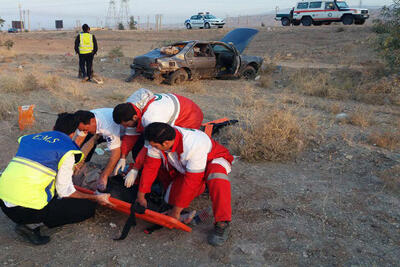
x: 149, y: 57
x: 240, y: 37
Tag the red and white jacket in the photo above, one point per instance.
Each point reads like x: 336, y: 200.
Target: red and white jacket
x: 191, y: 152
x: 168, y: 108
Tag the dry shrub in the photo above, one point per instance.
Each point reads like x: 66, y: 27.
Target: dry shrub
x: 349, y: 84
x: 391, y: 178
x: 361, y: 117
x: 266, y: 73
x: 72, y: 89
x: 387, y: 139
x: 247, y: 98
x: 19, y: 83
x: 10, y: 84
x: 51, y: 82
x: 30, y: 83
x: 381, y: 91
x: 275, y: 135
x: 116, y: 52
x: 335, y: 108
x: 7, y: 106
x: 311, y: 83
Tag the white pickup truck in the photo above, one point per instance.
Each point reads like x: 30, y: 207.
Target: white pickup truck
x: 317, y: 13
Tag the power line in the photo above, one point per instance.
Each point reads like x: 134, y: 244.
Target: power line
x: 69, y: 4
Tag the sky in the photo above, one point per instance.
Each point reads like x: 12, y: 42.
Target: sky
x: 94, y: 12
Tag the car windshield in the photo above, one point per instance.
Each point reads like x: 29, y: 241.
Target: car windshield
x: 210, y: 17
x: 342, y: 4
x: 220, y: 48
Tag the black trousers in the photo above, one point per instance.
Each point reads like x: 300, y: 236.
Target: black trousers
x: 86, y: 60
x: 58, y: 212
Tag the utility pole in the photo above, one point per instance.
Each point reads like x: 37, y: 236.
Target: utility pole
x: 148, y: 22
x: 124, y: 12
x: 29, y: 22
x: 24, y: 18
x: 20, y: 16
x: 111, y: 18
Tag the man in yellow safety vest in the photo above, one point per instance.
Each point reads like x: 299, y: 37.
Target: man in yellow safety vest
x: 36, y: 187
x: 86, y: 48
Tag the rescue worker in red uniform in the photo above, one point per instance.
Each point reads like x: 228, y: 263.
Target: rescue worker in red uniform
x: 190, y: 160
x: 142, y: 108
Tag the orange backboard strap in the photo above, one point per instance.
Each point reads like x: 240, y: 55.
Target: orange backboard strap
x: 208, y: 126
x: 149, y: 215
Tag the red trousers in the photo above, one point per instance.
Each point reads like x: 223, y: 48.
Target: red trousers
x: 217, y: 181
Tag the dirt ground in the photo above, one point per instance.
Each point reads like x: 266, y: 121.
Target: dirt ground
x: 329, y: 206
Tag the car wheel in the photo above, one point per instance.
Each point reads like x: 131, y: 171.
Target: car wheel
x: 207, y: 25
x: 188, y: 26
x: 307, y: 21
x: 178, y: 77
x: 285, y: 22
x: 348, y: 19
x: 249, y: 73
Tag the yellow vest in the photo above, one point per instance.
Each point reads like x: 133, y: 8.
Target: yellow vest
x: 30, y: 184
x: 85, y: 43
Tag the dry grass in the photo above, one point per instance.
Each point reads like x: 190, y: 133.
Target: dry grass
x: 367, y: 86
x: 265, y: 132
x: 7, y: 107
x: 381, y: 91
x: 116, y: 52
x: 387, y: 139
x: 275, y: 135
x: 196, y: 87
x: 391, y: 178
x: 361, y: 117
x: 312, y: 84
x: 335, y: 108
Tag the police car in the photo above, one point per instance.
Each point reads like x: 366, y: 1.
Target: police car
x: 205, y: 21
x: 317, y: 13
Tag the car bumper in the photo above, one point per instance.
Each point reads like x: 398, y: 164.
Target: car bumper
x: 361, y: 16
x: 217, y: 23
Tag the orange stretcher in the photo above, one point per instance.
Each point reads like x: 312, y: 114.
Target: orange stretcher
x: 149, y: 215
x: 208, y: 126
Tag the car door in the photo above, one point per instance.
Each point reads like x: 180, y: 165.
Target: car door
x: 316, y: 10
x: 197, y: 21
x: 227, y: 59
x: 331, y: 11
x: 201, y: 66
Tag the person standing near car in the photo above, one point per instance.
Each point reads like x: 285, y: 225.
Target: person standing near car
x: 86, y: 48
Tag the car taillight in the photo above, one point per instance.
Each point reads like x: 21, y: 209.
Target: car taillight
x: 154, y: 65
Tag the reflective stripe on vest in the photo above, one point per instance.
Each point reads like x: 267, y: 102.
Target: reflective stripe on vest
x: 85, y: 43
x: 27, y: 183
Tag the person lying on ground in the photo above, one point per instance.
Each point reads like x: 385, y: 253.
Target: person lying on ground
x: 99, y: 124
